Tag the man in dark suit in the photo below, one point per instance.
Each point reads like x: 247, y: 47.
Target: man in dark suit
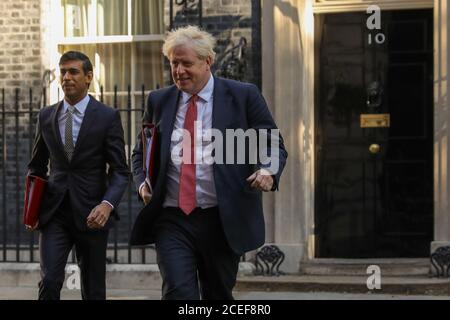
x: 203, y: 216
x: 80, y: 137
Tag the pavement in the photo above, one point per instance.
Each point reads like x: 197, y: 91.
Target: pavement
x: 18, y: 281
x: 30, y: 293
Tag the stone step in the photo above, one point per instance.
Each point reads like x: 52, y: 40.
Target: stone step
x: 357, y: 267
x: 147, y: 277
x: 118, y: 276
x: 412, y: 285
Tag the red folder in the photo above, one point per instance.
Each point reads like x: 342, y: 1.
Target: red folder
x: 149, y: 139
x: 34, y: 190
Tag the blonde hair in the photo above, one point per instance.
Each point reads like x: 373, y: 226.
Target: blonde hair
x: 201, y: 41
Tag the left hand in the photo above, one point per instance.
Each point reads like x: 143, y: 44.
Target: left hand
x: 33, y: 227
x: 99, y: 216
x: 261, y: 180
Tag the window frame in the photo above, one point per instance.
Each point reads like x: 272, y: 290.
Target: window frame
x: 60, y: 39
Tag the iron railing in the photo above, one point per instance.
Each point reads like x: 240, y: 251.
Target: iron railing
x: 18, y: 121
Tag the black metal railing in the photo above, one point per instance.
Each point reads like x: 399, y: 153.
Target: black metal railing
x: 18, y: 120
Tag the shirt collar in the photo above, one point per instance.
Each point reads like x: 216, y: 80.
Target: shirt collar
x: 205, y: 93
x: 80, y: 107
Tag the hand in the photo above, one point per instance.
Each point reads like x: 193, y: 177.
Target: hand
x: 99, y: 216
x: 261, y: 180
x: 145, y: 194
x: 34, y: 227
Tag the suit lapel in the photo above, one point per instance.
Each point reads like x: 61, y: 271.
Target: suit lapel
x: 89, y: 117
x: 167, y: 122
x: 55, y: 127
x: 221, y: 103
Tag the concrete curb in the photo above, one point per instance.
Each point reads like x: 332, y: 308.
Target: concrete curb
x: 147, y: 277
x: 118, y: 276
x: 346, y: 284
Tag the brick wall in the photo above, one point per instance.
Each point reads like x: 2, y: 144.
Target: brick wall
x: 20, y: 60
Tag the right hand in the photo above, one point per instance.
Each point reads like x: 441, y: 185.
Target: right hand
x: 145, y: 194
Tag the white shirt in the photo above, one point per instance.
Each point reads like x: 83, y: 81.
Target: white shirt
x: 205, y: 187
x: 78, y: 115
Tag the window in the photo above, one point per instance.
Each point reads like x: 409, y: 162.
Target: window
x: 123, y: 39
x: 112, y: 17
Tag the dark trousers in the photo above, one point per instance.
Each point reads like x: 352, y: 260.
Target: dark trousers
x: 56, y: 239
x: 193, y: 256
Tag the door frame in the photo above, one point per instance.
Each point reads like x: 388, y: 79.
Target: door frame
x: 288, y: 50
x: 321, y: 138
x: 343, y: 6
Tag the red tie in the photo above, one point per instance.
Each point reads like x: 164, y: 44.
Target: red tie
x: 186, y: 197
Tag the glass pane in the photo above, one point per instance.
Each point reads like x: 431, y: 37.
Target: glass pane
x: 148, y: 64
x: 123, y: 64
x: 114, y: 65
x: 76, y: 22
x: 112, y: 17
x: 82, y: 18
x: 147, y: 17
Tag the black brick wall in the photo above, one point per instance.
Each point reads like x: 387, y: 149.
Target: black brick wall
x: 228, y: 21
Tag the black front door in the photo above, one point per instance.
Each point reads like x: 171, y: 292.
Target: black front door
x: 374, y: 135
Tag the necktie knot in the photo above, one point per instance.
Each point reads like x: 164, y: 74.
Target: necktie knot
x: 71, y: 109
x: 194, y: 98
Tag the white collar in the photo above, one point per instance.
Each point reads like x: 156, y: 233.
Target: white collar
x: 205, y: 93
x: 79, y: 107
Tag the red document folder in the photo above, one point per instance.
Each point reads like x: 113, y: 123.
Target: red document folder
x: 149, y: 148
x: 34, y: 190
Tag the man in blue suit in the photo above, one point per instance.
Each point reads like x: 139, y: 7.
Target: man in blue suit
x: 203, y: 216
x: 82, y: 139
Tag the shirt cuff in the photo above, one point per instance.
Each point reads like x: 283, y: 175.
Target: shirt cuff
x: 106, y: 201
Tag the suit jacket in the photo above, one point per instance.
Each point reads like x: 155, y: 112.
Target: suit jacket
x: 235, y: 105
x: 86, y: 177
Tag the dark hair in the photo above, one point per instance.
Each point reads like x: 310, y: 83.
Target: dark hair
x: 76, y: 55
